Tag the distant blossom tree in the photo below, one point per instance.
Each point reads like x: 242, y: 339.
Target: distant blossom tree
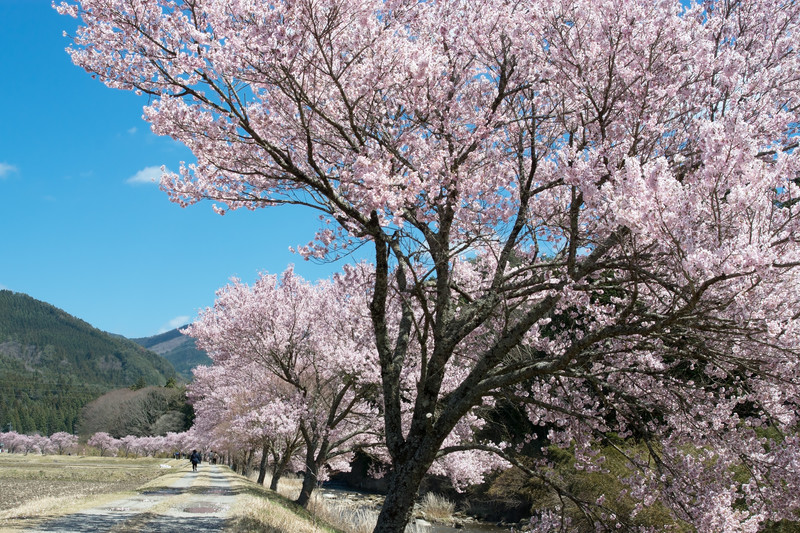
x: 127, y: 444
x: 243, y: 406
x: 63, y: 442
x: 311, y: 352
x: 173, y: 442
x: 33, y: 443
x: 12, y: 441
x: 585, y: 206
x: 104, y: 443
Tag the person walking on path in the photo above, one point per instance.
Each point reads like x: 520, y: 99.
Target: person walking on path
x: 195, y: 459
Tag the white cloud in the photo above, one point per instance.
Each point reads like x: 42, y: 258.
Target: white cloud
x: 146, y: 175
x: 132, y: 130
x: 176, y: 322
x: 6, y: 169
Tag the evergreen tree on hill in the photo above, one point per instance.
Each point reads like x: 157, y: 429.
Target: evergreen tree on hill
x: 52, y: 364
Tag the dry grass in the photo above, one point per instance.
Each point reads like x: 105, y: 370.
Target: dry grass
x: 35, y: 487
x: 437, y: 508
x: 345, y: 516
x: 52, y: 506
x: 352, y: 519
x: 289, y: 485
x: 255, y: 513
x: 260, y: 509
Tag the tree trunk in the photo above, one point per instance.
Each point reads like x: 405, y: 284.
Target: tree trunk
x: 309, y: 482
x: 247, y: 467
x: 279, y: 468
x: 273, y: 483
x: 399, y: 503
x: 262, y: 467
x: 409, y: 469
x: 310, y: 474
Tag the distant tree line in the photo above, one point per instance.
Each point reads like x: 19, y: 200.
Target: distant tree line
x: 141, y: 412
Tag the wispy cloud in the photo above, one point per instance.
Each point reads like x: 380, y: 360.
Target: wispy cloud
x: 6, y: 169
x: 176, y: 322
x: 146, y: 175
x: 132, y: 130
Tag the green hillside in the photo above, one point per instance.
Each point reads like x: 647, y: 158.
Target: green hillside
x: 52, y: 364
x: 178, y: 349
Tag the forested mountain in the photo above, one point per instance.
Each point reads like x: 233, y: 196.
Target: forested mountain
x: 178, y: 349
x: 52, y: 364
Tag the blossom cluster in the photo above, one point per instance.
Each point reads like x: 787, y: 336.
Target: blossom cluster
x: 586, y: 208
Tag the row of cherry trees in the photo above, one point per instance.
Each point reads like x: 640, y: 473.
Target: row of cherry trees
x: 291, y: 374
x: 584, y: 207
x: 131, y: 445
x: 62, y: 443
x: 296, y: 375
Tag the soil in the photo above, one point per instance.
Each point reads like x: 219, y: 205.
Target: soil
x: 21, y: 483
x: 16, y: 492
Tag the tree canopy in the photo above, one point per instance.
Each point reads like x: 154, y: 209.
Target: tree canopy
x: 585, y: 206
x: 294, y: 364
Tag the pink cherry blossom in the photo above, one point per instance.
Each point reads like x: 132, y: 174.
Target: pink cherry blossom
x: 105, y: 443
x: 294, y: 370
x: 587, y: 208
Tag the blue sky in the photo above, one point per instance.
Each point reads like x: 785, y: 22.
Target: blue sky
x: 77, y: 230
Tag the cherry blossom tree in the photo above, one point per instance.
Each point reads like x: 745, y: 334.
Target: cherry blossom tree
x: 104, y: 443
x: 174, y: 443
x: 15, y: 442
x: 237, y: 409
x: 586, y: 207
x: 32, y: 443
x: 128, y: 444
x: 63, y: 442
x: 272, y: 421
x: 12, y: 441
x: 306, y: 366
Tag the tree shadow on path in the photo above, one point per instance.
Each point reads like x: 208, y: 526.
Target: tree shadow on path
x: 94, y: 523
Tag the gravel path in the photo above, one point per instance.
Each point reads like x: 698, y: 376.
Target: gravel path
x: 197, y: 501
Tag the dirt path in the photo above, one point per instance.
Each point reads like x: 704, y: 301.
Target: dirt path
x: 196, y: 501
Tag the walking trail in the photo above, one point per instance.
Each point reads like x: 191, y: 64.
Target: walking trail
x: 197, y: 501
